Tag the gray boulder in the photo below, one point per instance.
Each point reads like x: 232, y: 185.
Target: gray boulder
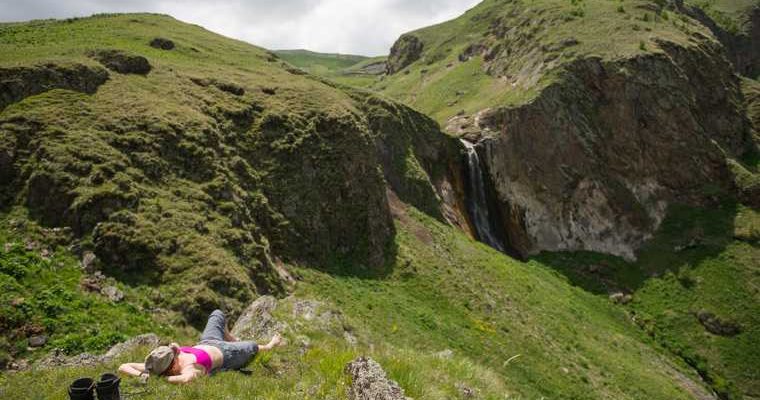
x: 369, y: 382
x: 58, y: 359
x: 112, y: 293
x: 38, y: 340
x: 148, y: 340
x: 257, y: 322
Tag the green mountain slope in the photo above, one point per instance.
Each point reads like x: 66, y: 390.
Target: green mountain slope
x: 504, y: 53
x: 319, y: 63
x: 191, y: 174
x: 350, y: 70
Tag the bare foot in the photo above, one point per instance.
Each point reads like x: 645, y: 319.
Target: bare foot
x: 276, y: 340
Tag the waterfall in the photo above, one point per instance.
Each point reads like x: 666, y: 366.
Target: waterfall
x: 477, y: 202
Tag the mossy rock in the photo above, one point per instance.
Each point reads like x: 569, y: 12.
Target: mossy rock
x: 122, y: 62
x: 162, y: 44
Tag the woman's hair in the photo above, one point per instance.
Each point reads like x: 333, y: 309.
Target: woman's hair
x: 170, y: 369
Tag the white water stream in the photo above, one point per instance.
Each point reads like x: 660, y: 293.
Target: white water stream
x: 477, y: 203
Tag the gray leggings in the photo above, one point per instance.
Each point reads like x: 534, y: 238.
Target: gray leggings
x: 236, y: 354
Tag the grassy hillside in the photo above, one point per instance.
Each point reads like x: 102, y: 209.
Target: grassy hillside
x: 319, y: 63
x: 359, y: 71
x: 199, y: 167
x: 42, y: 295
x: 702, y: 261
x: 514, y: 329
x: 539, y: 37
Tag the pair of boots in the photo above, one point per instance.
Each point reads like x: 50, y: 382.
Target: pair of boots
x: 85, y: 388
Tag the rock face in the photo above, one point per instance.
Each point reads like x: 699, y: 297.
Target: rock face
x: 594, y: 161
x: 405, y: 51
x: 18, y: 83
x: 369, y: 382
x: 419, y: 164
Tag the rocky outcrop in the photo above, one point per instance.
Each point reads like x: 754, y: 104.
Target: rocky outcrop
x: 421, y: 165
x: 594, y: 161
x: 18, y: 83
x: 369, y: 382
x: 375, y: 68
x: 228, y: 87
x: 716, y: 325
x: 406, y: 50
x: 122, y: 61
x: 257, y: 322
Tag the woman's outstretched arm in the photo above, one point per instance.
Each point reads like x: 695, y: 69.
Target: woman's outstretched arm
x: 134, y: 369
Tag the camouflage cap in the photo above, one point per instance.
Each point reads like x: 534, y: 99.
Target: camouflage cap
x: 159, y: 360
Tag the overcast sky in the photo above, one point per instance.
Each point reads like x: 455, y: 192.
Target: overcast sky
x: 367, y: 27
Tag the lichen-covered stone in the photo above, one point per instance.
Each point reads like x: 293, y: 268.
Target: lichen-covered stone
x: 257, y: 322
x: 369, y: 382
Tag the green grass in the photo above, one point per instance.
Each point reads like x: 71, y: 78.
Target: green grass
x: 702, y: 259
x: 41, y: 295
x: 445, y: 292
x: 186, y: 191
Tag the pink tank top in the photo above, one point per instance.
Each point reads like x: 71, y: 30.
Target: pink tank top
x: 201, y: 357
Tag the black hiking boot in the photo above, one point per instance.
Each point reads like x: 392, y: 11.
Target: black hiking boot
x: 108, y: 387
x: 82, y: 389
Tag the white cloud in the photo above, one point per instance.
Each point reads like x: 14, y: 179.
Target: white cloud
x: 348, y: 26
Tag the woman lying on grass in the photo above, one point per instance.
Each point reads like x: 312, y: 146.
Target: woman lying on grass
x: 217, y: 350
